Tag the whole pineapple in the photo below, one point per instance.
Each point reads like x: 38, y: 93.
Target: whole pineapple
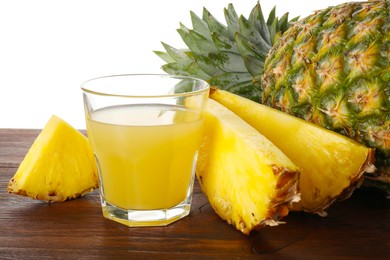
x: 331, y: 68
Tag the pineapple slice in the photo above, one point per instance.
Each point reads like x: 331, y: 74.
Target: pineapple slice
x: 248, y: 181
x: 332, y: 165
x: 59, y: 165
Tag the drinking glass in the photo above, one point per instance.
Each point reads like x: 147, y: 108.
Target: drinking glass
x: 145, y: 131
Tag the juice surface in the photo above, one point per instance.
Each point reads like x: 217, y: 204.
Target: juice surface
x: 145, y: 153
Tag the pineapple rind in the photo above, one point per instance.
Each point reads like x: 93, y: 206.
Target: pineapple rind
x: 247, y: 180
x: 58, y: 166
x: 332, y: 165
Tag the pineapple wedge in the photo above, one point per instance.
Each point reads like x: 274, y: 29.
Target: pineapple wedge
x: 248, y: 181
x: 59, y: 165
x: 332, y: 165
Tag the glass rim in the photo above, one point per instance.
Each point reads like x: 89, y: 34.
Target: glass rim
x: 204, y: 87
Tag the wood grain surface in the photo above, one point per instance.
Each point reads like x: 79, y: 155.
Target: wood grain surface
x: 357, y: 228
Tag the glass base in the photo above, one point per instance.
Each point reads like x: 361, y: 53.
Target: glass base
x: 139, y: 218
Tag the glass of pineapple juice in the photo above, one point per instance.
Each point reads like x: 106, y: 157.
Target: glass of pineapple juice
x: 145, y: 131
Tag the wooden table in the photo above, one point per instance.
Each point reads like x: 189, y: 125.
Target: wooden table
x: 30, y: 229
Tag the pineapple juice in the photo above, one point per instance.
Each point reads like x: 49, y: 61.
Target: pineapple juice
x: 145, y: 153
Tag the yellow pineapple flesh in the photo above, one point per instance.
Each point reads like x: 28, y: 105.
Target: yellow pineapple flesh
x: 59, y: 165
x: 332, y: 165
x: 248, y: 181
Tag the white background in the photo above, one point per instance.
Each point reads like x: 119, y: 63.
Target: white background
x: 49, y: 47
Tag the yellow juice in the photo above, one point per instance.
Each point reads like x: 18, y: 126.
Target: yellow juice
x: 145, y: 153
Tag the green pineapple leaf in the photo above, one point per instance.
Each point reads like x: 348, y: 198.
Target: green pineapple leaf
x: 249, y: 31
x: 213, y: 24
x: 224, y: 43
x: 257, y: 19
x: 199, y: 25
x: 231, y: 18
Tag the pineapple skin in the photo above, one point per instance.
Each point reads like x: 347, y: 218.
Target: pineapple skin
x: 332, y: 164
x: 248, y: 181
x: 330, y: 68
x: 59, y: 165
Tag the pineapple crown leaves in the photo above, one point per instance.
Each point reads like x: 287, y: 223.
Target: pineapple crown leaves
x: 228, y: 56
